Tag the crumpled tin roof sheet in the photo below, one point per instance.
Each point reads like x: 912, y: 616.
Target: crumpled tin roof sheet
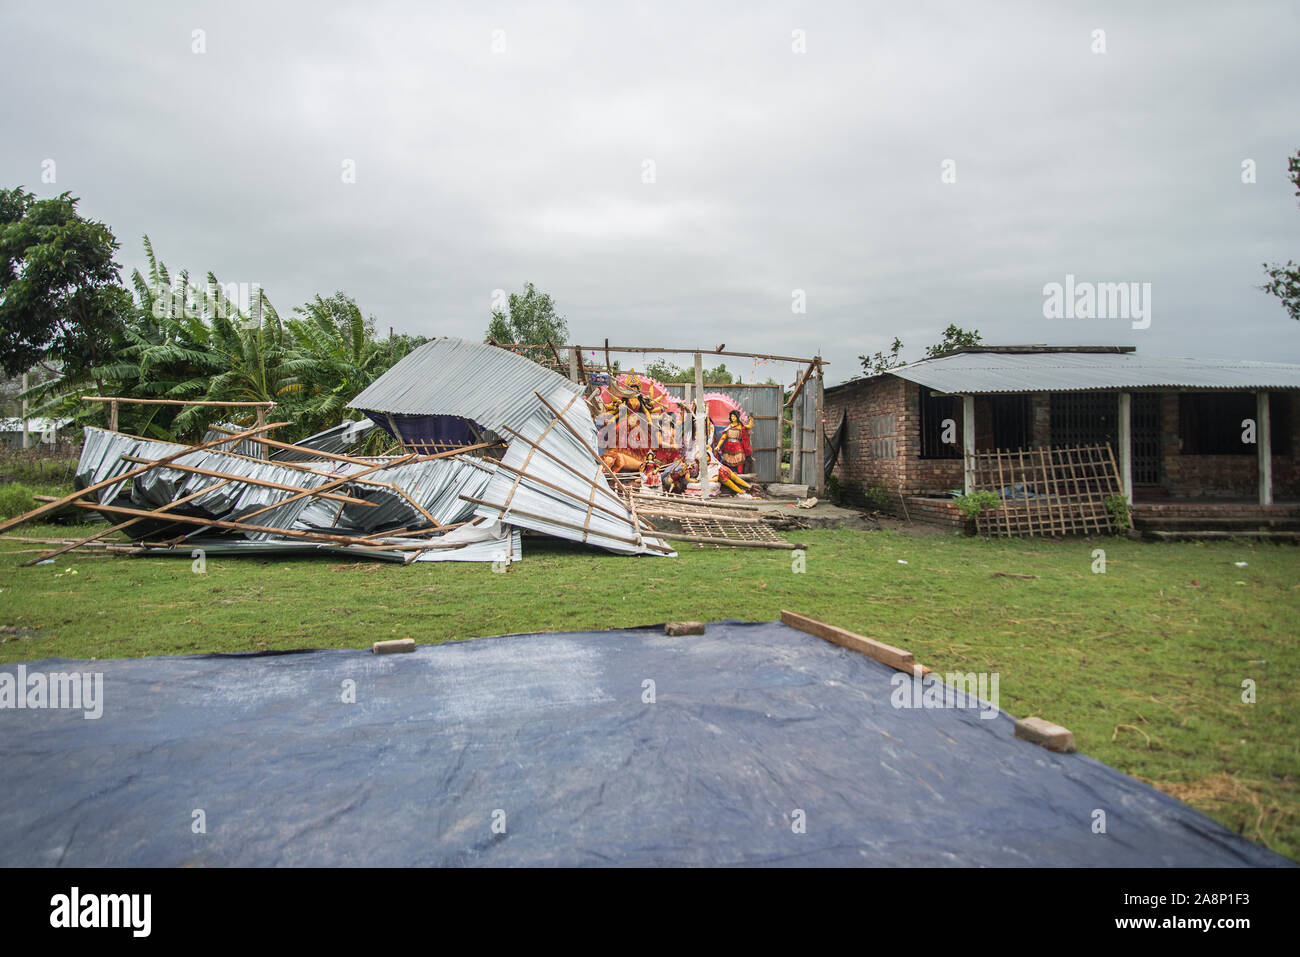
x: 473, y: 380
x: 976, y: 373
x: 436, y: 485
x: 499, y: 390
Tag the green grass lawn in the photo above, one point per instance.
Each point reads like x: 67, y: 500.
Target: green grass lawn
x: 1145, y: 663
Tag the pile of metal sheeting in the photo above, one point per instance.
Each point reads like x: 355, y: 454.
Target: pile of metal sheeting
x: 230, y: 503
x: 550, y: 479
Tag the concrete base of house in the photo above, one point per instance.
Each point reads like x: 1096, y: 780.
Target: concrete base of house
x: 1173, y: 520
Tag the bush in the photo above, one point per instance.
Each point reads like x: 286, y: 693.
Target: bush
x: 40, y: 465
x: 875, y: 497
x: 1120, y: 511
x: 15, y: 499
x: 974, y: 503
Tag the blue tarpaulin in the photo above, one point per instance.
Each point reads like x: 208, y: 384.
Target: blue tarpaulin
x: 753, y: 744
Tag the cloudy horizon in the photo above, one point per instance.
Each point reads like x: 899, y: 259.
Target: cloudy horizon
x: 683, y: 177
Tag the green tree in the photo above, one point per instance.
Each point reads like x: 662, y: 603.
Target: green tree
x: 665, y: 371
x: 334, y: 356
x: 1284, y: 281
x: 530, y: 319
x: 61, y: 298
x: 954, y: 337
x: 883, y: 361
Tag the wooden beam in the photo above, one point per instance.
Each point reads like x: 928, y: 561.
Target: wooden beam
x: 730, y: 542
x: 1264, y: 448
x: 886, y: 654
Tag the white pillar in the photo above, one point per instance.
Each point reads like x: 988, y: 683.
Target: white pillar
x: 968, y: 441
x: 701, y: 433
x: 1125, y: 440
x: 1264, y: 448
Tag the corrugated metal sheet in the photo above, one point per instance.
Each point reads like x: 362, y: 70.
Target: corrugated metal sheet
x: 337, y: 440
x: 498, y: 390
x: 435, y: 485
x: 989, y: 372
x: 475, y: 381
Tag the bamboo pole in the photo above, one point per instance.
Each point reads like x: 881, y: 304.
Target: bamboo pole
x: 123, y: 525
x: 733, y: 542
x: 248, y: 480
x: 239, y: 526
x: 326, y: 487
x: 563, y: 464
x: 113, y: 400
x: 686, y: 352
x: 69, y: 499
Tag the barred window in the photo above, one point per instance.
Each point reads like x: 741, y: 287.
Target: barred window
x: 1210, y: 423
x: 934, y: 410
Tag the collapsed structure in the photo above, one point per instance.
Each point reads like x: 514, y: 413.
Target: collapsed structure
x: 492, y: 444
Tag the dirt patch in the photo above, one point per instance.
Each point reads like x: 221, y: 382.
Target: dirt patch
x: 1222, y: 793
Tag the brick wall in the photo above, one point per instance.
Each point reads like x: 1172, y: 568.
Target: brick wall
x: 883, y: 445
x: 1225, y: 476
x: 883, y: 442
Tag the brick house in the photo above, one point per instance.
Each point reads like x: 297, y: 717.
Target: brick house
x: 1210, y: 432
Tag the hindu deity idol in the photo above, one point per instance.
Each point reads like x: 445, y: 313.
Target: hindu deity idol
x: 733, y: 443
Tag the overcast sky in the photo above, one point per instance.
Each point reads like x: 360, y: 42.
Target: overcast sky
x: 495, y: 144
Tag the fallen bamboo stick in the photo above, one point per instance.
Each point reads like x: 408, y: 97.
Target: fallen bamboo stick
x: 565, y: 465
x: 327, y: 486
x: 69, y: 499
x: 734, y: 542
x: 122, y: 525
x: 239, y: 526
x: 248, y: 480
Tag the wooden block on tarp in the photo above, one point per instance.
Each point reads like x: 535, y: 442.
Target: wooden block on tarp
x: 886, y: 654
x: 393, y: 647
x: 684, y: 628
x: 1053, y: 737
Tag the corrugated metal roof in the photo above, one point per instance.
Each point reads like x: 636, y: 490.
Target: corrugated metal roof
x: 473, y: 380
x: 986, y: 372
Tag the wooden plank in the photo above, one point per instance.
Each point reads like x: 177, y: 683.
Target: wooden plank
x: 877, y: 650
